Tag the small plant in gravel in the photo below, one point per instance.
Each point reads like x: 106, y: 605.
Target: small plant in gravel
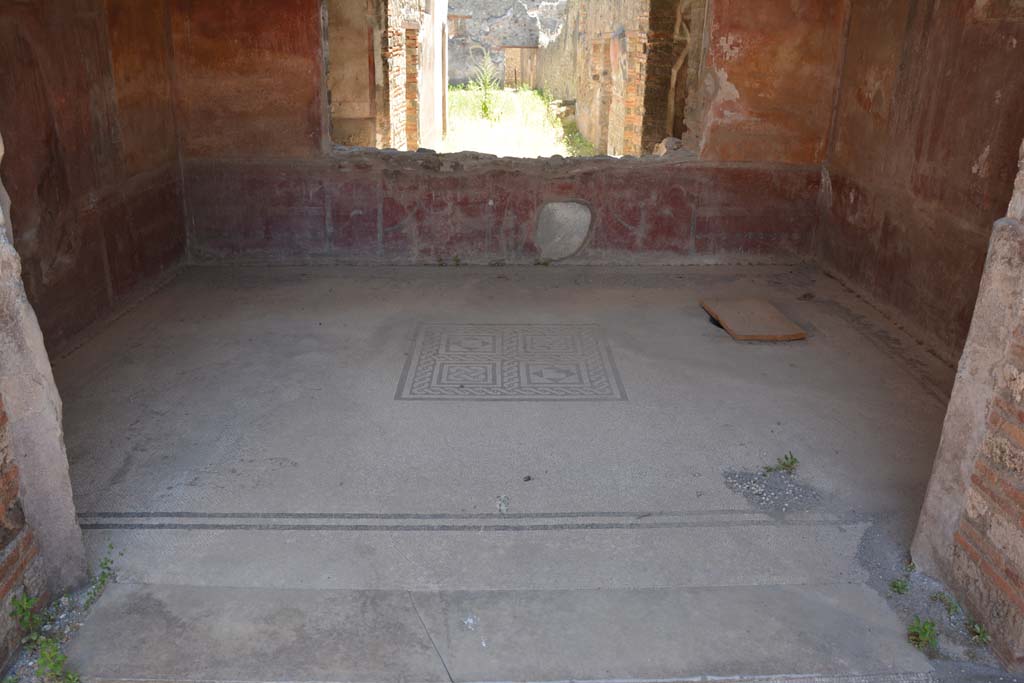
x: 979, y: 634
x: 910, y: 567
x: 787, y: 463
x: 947, y: 601
x: 29, y: 619
x: 899, y: 586
x: 102, y: 579
x: 923, y: 634
x: 52, y: 665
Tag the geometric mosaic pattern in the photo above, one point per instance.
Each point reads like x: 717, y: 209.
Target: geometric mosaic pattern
x: 456, y: 362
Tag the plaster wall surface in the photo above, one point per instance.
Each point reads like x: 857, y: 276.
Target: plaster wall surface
x: 432, y: 77
x: 92, y: 165
x: 769, y: 79
x: 353, y: 38
x: 248, y: 77
x: 367, y: 207
x: 923, y: 156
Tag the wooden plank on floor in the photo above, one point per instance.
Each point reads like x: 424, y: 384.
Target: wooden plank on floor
x: 753, y: 320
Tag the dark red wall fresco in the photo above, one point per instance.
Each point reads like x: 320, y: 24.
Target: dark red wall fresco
x: 929, y: 123
x: 91, y: 160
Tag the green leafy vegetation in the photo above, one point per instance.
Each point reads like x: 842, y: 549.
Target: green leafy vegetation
x: 899, y: 586
x: 486, y: 83
x: 45, y: 630
x: 102, y: 579
x: 979, y: 635
x: 787, y: 463
x: 29, y: 619
x: 923, y: 634
x: 575, y: 143
x: 947, y: 601
x: 511, y: 122
x: 51, y: 665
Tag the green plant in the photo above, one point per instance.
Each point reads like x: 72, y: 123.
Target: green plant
x: 485, y: 81
x: 979, y: 635
x: 104, y: 577
x: 575, y: 143
x: 899, y: 586
x: 910, y: 567
x: 456, y: 261
x: 52, y: 663
x: 29, y: 620
x: 787, y: 463
x: 923, y: 635
x: 952, y: 608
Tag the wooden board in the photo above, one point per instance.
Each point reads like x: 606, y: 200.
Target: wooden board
x: 753, y: 320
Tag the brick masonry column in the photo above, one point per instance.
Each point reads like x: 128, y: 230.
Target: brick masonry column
x: 636, y: 82
x: 412, y: 88
x: 971, y: 531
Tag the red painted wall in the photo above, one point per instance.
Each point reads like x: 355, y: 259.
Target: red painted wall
x: 928, y: 129
x: 771, y: 74
x: 262, y: 185
x: 371, y: 207
x: 91, y: 160
x: 249, y: 77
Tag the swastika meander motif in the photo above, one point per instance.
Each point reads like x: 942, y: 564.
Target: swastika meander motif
x: 458, y: 362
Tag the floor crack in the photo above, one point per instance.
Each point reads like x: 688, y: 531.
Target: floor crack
x: 440, y: 658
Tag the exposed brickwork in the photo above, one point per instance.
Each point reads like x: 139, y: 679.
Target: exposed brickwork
x: 627, y: 66
x: 600, y: 61
x: 988, y: 553
x: 412, y: 88
x: 20, y: 567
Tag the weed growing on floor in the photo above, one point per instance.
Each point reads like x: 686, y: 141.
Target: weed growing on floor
x: 456, y: 261
x: 923, y: 634
x: 787, y: 463
x: 485, y: 81
x: 102, y: 579
x: 947, y: 601
x: 575, y: 143
x: 979, y: 634
x: 29, y: 619
x: 899, y: 586
x: 52, y: 664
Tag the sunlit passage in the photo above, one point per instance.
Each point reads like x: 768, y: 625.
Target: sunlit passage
x: 515, y: 78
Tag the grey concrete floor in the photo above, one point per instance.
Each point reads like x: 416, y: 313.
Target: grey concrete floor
x: 239, y: 431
